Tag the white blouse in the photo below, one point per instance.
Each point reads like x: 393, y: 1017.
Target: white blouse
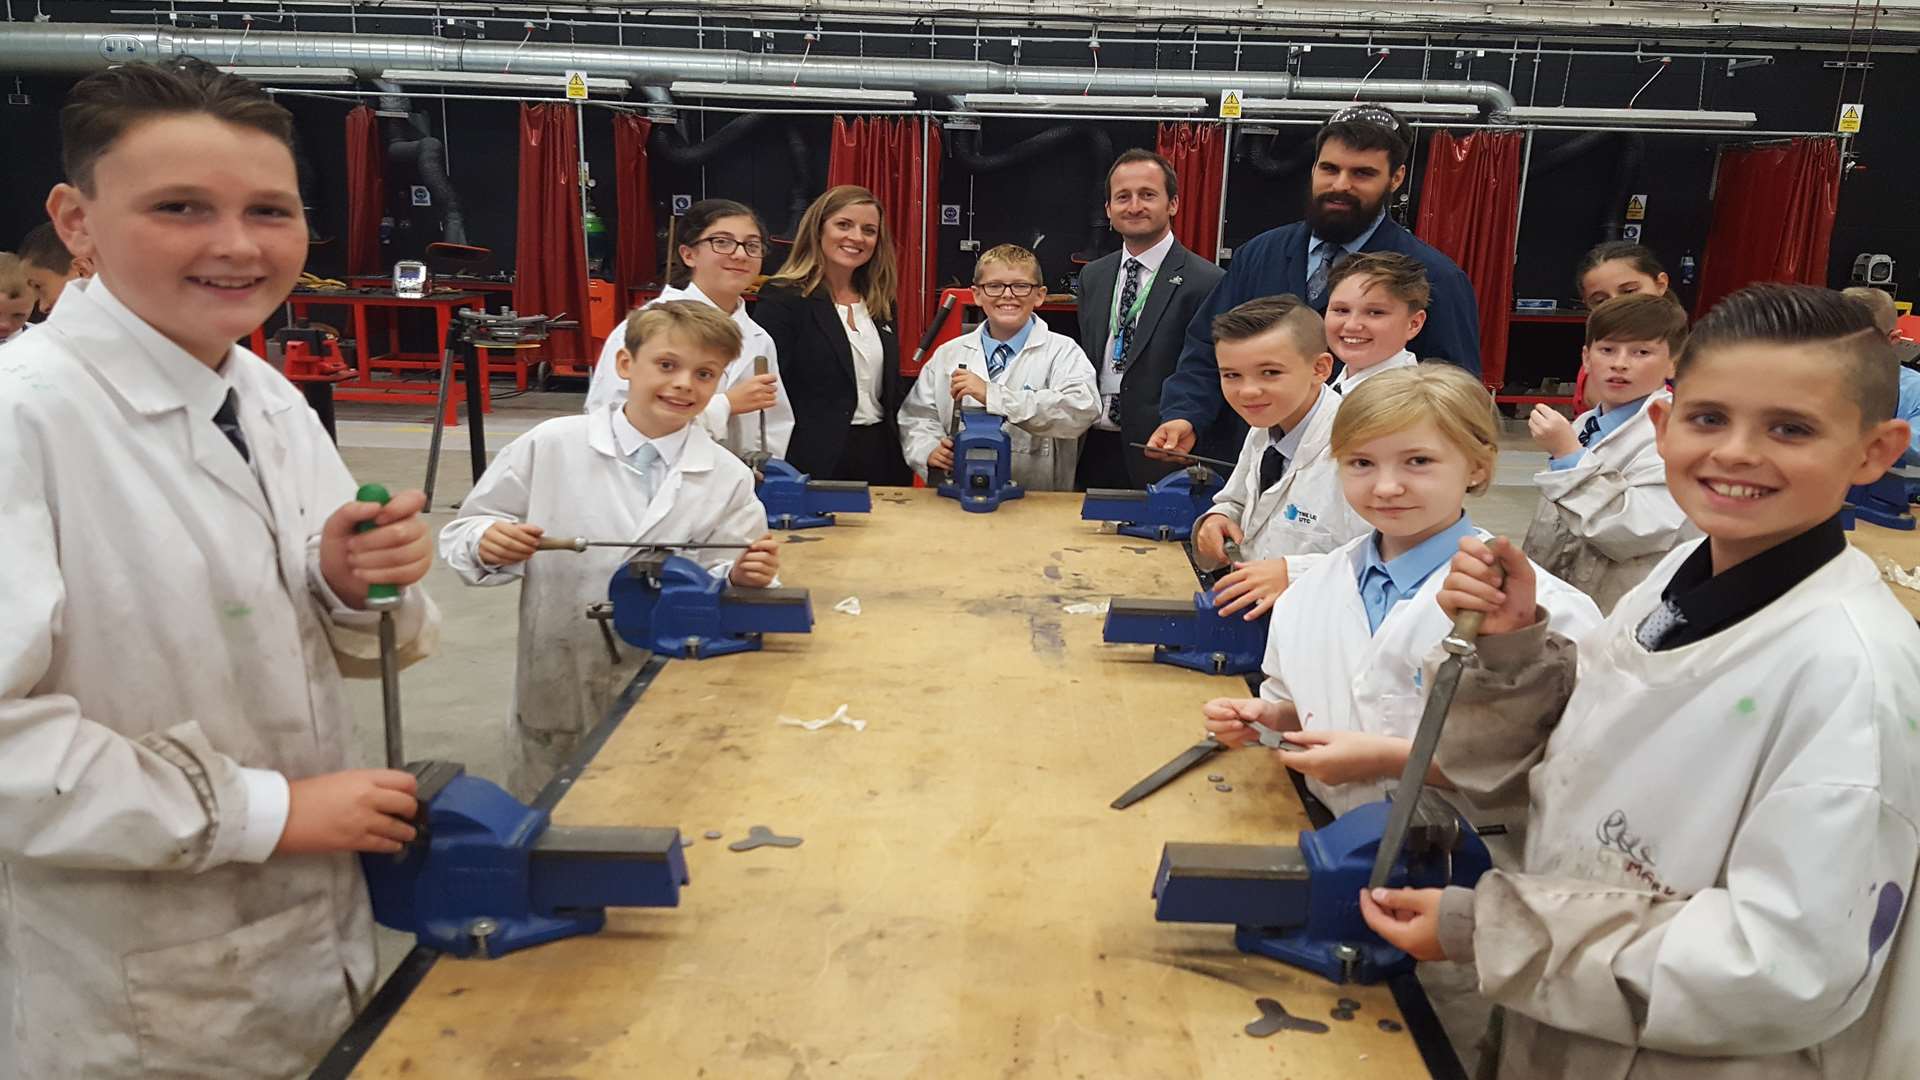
x: 868, y: 357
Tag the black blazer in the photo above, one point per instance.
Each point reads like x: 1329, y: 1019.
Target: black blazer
x: 1179, y: 288
x: 816, y: 363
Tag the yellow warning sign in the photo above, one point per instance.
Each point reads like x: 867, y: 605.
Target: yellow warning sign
x: 576, y: 86
x: 1850, y: 117
x: 1230, y: 104
x: 1636, y: 208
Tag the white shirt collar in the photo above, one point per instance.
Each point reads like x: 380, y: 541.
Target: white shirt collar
x: 1150, y: 258
x: 1289, y: 443
x: 202, y: 388
x: 692, y: 292
x: 1350, y: 378
x: 628, y: 438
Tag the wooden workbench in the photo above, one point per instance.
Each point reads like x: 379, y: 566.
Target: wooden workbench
x: 1901, y: 547
x: 964, y: 904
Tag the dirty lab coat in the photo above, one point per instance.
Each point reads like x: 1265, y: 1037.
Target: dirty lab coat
x: 1604, y: 523
x: 1305, y: 513
x: 1341, y: 678
x: 169, y: 652
x: 738, y: 434
x: 567, y: 476
x: 1047, y: 393
x: 1722, y: 840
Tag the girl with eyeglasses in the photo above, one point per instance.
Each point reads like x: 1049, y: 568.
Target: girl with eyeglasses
x: 715, y: 267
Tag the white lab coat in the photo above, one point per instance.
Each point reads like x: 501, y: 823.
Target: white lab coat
x: 1047, y: 394
x: 738, y: 434
x: 1604, y: 523
x: 1349, y: 378
x: 1713, y: 831
x: 169, y: 652
x: 1305, y: 513
x: 567, y: 476
x: 1342, y: 678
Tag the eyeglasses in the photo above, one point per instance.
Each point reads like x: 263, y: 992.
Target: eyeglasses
x: 997, y: 289
x: 727, y: 245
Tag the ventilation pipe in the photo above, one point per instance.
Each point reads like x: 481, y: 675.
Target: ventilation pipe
x: 411, y: 142
x: 965, y: 145
x: 57, y: 49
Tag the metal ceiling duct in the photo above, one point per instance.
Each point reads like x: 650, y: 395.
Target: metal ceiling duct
x: 62, y: 48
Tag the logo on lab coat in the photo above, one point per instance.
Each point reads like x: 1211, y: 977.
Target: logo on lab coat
x: 1304, y: 517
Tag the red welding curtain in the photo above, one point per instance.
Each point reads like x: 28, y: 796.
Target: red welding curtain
x: 366, y: 191
x: 550, y: 254
x: 1469, y: 208
x: 885, y: 156
x: 1773, y: 209
x: 1198, y: 155
x: 633, y: 194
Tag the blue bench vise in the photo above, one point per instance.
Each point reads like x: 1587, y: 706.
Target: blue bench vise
x: 1189, y: 634
x: 982, y: 474
x: 1300, y: 905
x: 670, y: 604
x: 1166, y: 510
x: 487, y: 875
x: 796, y: 501
x: 1886, y: 502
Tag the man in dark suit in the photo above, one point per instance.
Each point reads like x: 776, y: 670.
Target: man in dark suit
x: 1134, y: 308
x: 1360, y: 160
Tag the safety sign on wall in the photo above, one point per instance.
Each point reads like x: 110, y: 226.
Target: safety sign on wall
x: 1850, y: 116
x: 949, y: 213
x: 576, y: 86
x: 1230, y: 104
x: 1631, y: 232
x: 682, y: 204
x: 421, y: 196
x: 1636, y: 208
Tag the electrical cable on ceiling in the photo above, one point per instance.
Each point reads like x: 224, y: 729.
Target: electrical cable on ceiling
x: 1363, y: 79
x: 515, y: 54
x: 1846, y: 62
x: 1657, y: 72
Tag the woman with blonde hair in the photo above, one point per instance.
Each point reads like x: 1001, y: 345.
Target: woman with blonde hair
x: 830, y: 313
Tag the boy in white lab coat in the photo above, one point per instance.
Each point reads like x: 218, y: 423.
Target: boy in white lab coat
x: 1376, y: 303
x: 1605, y: 515
x: 183, y: 590
x: 1347, y: 639
x: 1040, y: 381
x: 1722, y: 834
x: 639, y: 468
x: 1283, y: 505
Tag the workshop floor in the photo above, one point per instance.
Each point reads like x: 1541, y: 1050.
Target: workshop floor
x: 455, y: 705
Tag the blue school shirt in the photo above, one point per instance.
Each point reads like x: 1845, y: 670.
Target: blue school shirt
x: 1610, y: 421
x: 1017, y: 341
x: 1383, y: 584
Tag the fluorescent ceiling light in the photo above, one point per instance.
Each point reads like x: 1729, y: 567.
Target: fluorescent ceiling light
x: 832, y: 95
x: 1080, y: 103
x: 1584, y: 117
x: 554, y: 81
x: 294, y: 76
x: 1320, y: 110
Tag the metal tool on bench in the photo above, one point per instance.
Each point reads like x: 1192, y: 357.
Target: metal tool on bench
x: 384, y: 599
x: 312, y: 359
x: 982, y: 474
x: 795, y: 500
x: 669, y: 604
x: 487, y: 875
x: 470, y: 331
x: 1166, y: 510
x: 940, y: 478
x: 1886, y: 502
x: 1300, y: 904
x: 1189, y: 634
x: 1194, y: 755
x: 759, y: 455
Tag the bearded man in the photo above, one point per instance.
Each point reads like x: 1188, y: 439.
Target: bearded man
x: 1360, y: 161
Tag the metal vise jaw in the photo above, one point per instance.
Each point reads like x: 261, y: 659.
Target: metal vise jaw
x: 982, y: 474
x: 1885, y: 502
x: 486, y: 875
x: 1189, y: 635
x: 1165, y: 511
x: 671, y: 605
x: 795, y: 501
x: 1300, y: 905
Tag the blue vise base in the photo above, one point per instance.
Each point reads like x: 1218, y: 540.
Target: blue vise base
x: 486, y: 875
x: 1885, y: 502
x: 982, y: 474
x: 670, y: 604
x: 1166, y: 510
x: 796, y: 501
x: 1300, y: 905
x: 1191, y: 635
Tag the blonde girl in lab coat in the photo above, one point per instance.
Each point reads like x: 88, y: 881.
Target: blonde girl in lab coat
x: 718, y: 262
x: 181, y: 596
x: 640, y: 468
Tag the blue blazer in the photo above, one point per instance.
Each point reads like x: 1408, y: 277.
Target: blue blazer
x: 1275, y: 262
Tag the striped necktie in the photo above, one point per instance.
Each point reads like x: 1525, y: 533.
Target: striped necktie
x: 997, y: 363
x: 1317, y: 282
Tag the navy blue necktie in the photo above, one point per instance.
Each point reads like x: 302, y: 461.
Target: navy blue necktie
x: 227, y: 419
x: 1317, y: 281
x: 1123, y: 336
x: 1273, y: 465
x: 1589, y: 429
x: 997, y: 363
